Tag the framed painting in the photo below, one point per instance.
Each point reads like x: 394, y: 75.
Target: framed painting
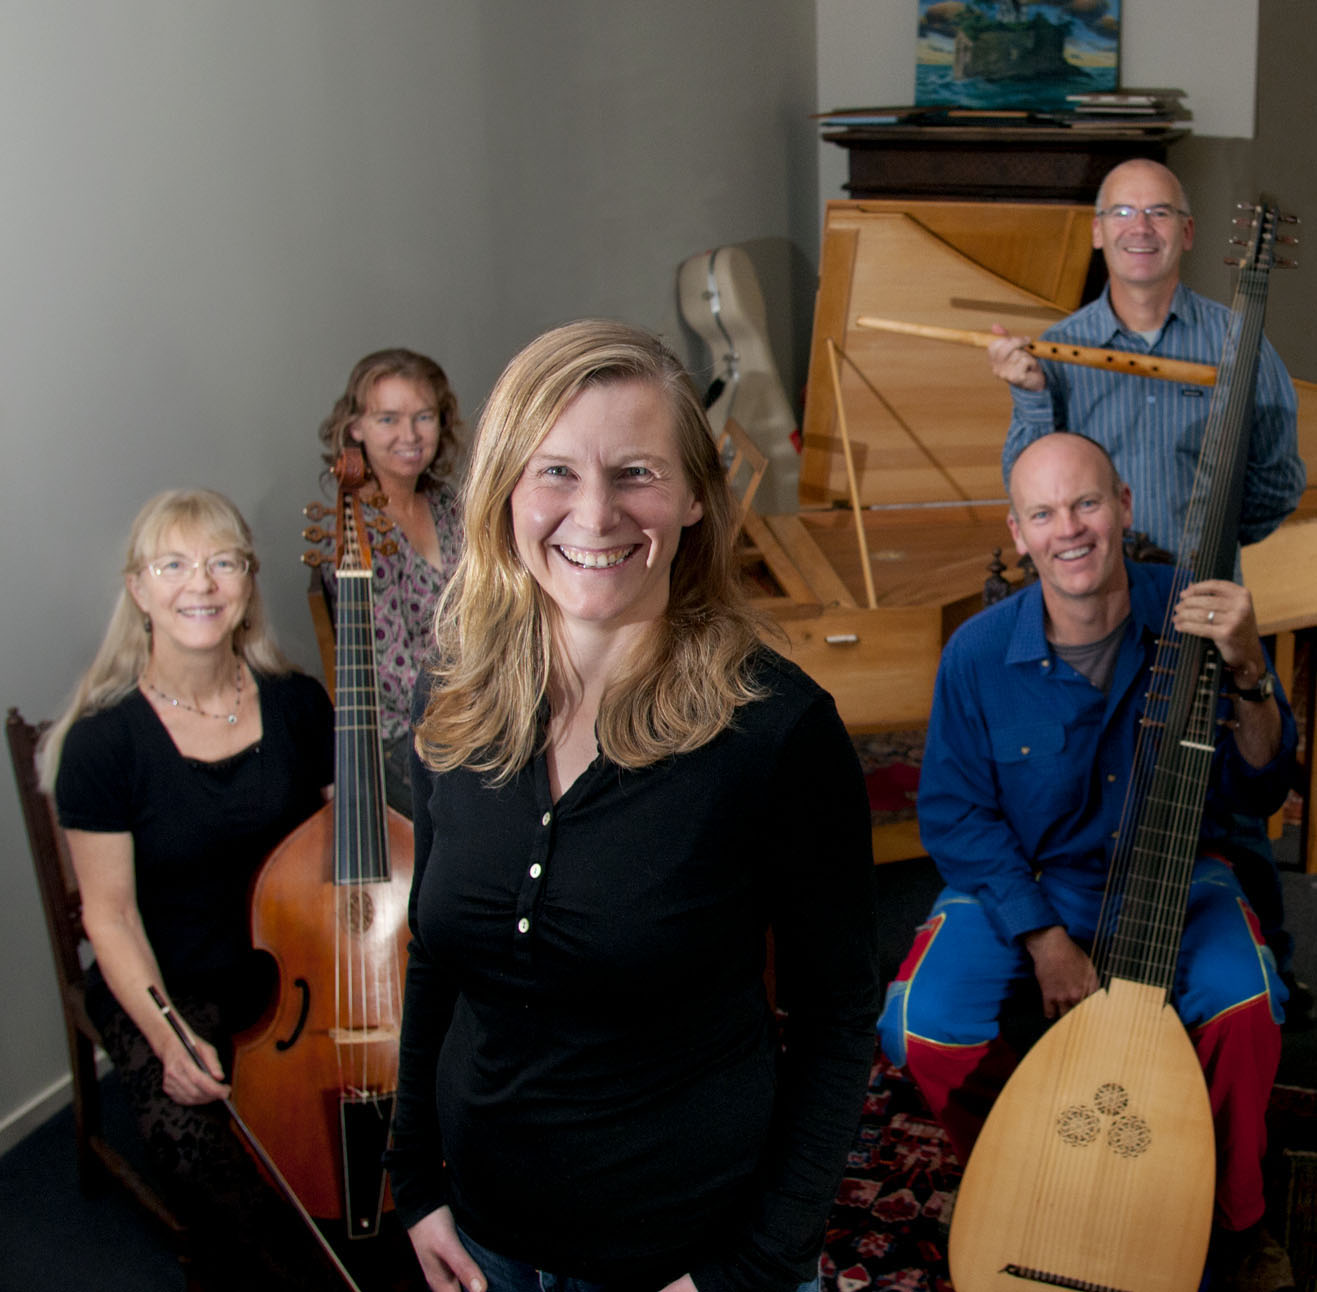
x: 1018, y: 54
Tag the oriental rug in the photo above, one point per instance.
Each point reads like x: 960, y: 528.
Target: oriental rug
x: 888, y: 1228
x: 890, y: 1223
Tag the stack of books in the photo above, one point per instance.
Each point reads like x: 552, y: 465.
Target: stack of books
x: 925, y: 115
x: 1134, y: 108
x: 1121, y: 111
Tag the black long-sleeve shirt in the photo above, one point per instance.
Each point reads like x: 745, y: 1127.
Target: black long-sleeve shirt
x: 590, y: 1072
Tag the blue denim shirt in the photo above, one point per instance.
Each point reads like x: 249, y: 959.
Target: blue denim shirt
x: 1027, y: 763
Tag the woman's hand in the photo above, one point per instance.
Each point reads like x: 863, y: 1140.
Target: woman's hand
x: 444, y: 1261
x: 683, y: 1284
x: 184, y: 1082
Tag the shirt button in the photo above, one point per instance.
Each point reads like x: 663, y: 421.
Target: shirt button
x: 523, y: 925
x: 536, y: 870
x: 1024, y: 749
x: 1111, y: 778
x: 1047, y: 663
x: 546, y: 818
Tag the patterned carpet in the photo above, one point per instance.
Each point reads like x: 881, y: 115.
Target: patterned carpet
x: 890, y: 761
x: 888, y: 1228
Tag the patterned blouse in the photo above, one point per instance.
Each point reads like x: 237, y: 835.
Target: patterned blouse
x: 406, y: 589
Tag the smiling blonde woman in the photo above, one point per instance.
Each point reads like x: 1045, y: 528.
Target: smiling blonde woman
x: 619, y: 793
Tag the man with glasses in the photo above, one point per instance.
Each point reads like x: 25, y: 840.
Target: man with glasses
x: 1153, y: 429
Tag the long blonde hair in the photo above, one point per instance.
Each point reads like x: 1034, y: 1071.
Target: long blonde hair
x: 126, y: 647
x: 493, y: 623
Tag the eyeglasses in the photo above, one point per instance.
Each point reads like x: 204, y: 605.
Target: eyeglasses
x: 172, y: 568
x: 1158, y: 214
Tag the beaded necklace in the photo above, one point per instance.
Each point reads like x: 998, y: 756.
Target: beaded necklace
x: 230, y: 718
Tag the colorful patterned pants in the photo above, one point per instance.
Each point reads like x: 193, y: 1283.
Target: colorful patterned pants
x: 942, y: 1013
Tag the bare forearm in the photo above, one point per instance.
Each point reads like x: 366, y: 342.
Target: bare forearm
x: 1258, y: 734
x: 104, y: 865
x: 129, y: 967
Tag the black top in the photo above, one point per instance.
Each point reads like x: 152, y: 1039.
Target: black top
x: 587, y: 1046
x: 200, y: 829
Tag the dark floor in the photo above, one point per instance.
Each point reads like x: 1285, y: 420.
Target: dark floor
x: 51, y: 1237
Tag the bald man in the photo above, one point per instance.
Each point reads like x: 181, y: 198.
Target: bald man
x: 1030, y: 747
x: 1152, y: 429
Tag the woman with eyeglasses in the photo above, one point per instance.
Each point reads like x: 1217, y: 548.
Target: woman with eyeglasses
x: 190, y: 748
x: 399, y: 407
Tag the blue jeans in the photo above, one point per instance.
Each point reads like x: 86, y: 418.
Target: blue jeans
x: 505, y: 1275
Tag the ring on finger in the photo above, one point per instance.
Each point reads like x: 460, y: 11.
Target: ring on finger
x: 1211, y: 616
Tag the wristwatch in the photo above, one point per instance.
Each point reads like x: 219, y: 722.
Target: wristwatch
x: 1264, y: 690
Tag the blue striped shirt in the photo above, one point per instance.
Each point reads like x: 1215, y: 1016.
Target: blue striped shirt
x: 1153, y: 429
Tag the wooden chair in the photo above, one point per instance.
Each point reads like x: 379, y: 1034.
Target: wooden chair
x: 743, y: 461
x: 62, y: 906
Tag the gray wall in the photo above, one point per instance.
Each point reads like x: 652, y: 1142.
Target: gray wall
x: 211, y: 210
x: 1280, y: 161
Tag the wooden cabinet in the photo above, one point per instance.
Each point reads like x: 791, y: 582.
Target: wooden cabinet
x: 987, y: 163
